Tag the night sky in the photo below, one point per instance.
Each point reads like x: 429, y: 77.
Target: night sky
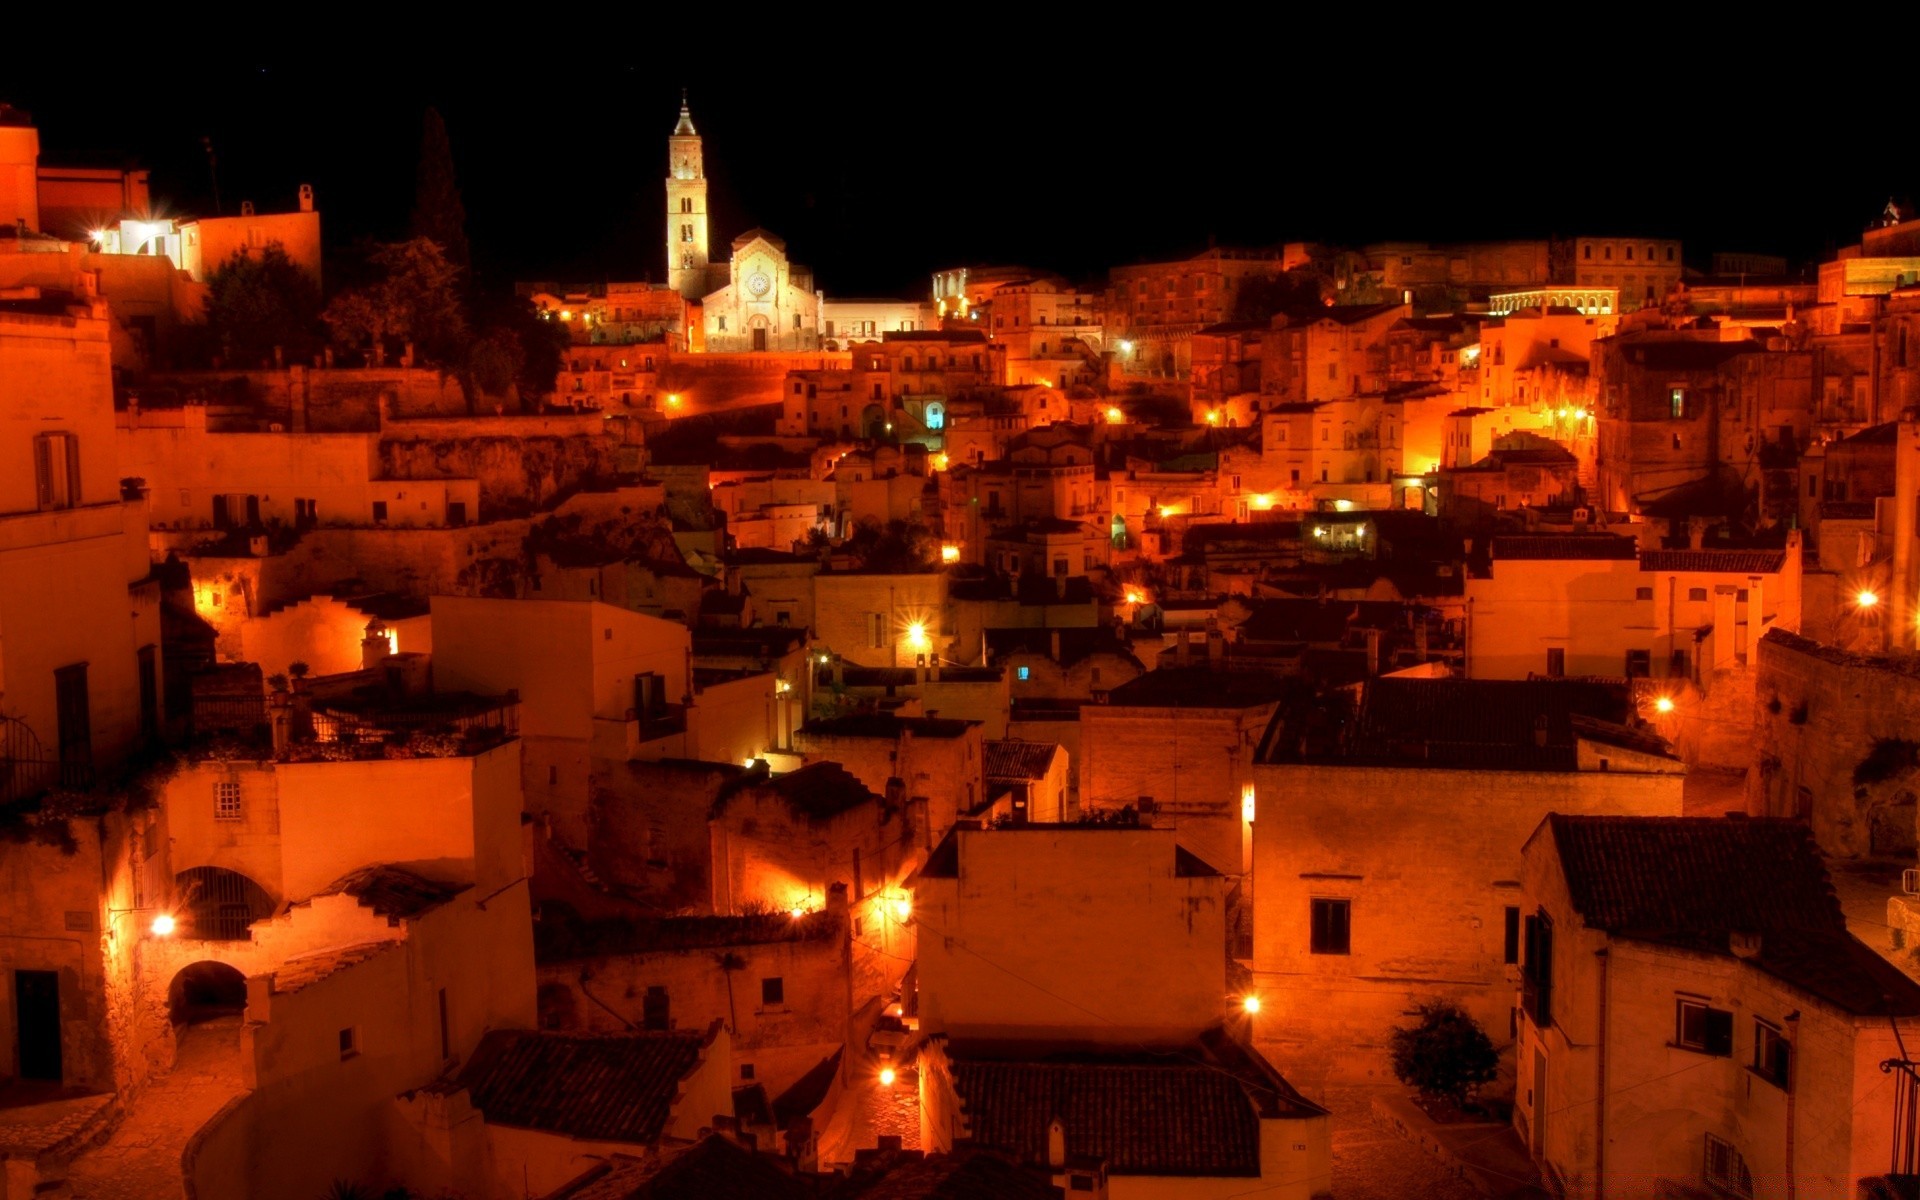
x: 881, y: 163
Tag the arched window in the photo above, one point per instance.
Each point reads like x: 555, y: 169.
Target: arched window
x: 936, y: 415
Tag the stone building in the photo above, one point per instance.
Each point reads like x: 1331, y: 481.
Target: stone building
x: 1042, y: 1044
x: 1177, y: 746
x: 1327, y: 353
x: 1386, y: 862
x: 1714, y: 1008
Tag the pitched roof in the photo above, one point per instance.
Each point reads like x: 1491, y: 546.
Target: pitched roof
x: 909, y: 1175
x: 1539, y: 546
x: 1193, y: 1109
x: 1730, y: 562
x: 1196, y: 687
x: 1693, y: 882
x: 714, y: 1168
x: 608, y: 1087
x: 393, y: 892
x: 1481, y: 724
x: 1015, y: 758
x: 886, y: 725
x: 309, y: 969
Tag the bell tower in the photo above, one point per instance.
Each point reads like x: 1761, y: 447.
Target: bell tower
x: 686, y: 209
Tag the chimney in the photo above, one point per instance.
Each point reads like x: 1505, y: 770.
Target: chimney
x: 1053, y: 640
x: 1056, y: 1143
x: 306, y: 197
x: 1373, y: 651
x: 1181, y: 653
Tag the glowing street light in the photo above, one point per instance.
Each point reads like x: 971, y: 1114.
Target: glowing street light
x: 903, y: 907
x: 886, y: 1076
x: 1115, y: 416
x: 673, y: 400
x: 162, y: 925
x: 1251, y: 1003
x: 1663, y: 705
x: 1867, y: 598
x: 917, y: 634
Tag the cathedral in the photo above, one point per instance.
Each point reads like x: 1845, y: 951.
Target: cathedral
x: 756, y: 299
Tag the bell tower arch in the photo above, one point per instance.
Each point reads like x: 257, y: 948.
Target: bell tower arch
x: 686, y: 209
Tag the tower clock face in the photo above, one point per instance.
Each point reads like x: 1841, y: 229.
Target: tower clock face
x: 758, y: 284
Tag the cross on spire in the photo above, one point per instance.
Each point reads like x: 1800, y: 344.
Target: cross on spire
x: 685, y: 127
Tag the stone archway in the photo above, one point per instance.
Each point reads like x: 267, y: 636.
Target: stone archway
x: 205, y: 991
x: 217, y: 905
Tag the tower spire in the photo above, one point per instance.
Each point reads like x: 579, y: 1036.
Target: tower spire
x: 685, y: 127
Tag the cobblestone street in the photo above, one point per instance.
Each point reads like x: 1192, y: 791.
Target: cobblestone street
x: 1371, y: 1162
x: 141, y: 1161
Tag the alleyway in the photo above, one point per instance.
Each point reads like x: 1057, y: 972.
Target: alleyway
x: 141, y: 1161
x: 1372, y: 1162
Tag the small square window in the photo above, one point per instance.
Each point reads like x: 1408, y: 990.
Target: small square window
x: 1699, y: 1026
x: 226, y: 800
x: 773, y: 991
x: 746, y: 1072
x: 1022, y: 673
x: 1645, y: 593
x: 349, y: 1042
x: 1698, y: 595
x: 1332, y: 926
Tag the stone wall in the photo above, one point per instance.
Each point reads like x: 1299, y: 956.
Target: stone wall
x: 522, y: 465
x: 1834, y: 744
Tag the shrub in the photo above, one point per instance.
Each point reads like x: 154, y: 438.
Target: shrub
x: 1445, y: 1054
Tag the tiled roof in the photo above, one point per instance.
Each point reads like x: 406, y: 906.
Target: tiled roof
x: 395, y: 893
x: 714, y: 1168
x: 309, y: 969
x: 1484, y: 724
x: 1013, y: 758
x: 1696, y: 881
x: 1686, y: 355
x: 1144, y: 1119
x: 807, y: 1093
x: 1196, y: 687
x: 1535, y: 546
x: 908, y: 1175
x: 1730, y: 562
x: 610, y: 1087
x: 1193, y: 1109
x: 1188, y: 865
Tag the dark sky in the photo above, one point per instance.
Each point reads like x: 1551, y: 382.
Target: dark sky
x: 880, y: 163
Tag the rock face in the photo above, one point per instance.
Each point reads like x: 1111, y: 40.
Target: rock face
x: 517, y: 475
x: 1833, y: 746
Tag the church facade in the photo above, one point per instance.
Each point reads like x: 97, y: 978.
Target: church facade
x: 757, y: 299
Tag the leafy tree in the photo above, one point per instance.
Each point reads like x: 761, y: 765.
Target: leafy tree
x: 898, y: 546
x: 540, y: 346
x: 1260, y: 297
x: 438, y: 214
x: 495, y: 362
x: 259, y: 301
x: 413, y: 297
x: 1445, y: 1054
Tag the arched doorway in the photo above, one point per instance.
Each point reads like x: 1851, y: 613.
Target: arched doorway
x: 206, y: 991
x: 757, y: 325
x: 217, y: 905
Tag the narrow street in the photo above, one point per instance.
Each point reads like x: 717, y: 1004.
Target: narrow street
x: 141, y: 1160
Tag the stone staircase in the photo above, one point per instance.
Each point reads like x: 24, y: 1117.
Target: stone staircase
x: 38, y: 1141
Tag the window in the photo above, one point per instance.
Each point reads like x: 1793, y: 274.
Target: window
x: 379, y: 512
x: 1645, y: 593
x: 686, y: 204
x: 1772, y: 1055
x: 1725, y: 1170
x: 1022, y: 673
x: 1511, y: 951
x: 876, y: 631
x: 446, y: 1029
x: 1332, y: 926
x: 1536, y: 969
x: 653, y: 1009
x: 1677, y: 403
x: 73, y: 712
x: 56, y: 470
x: 746, y: 1072
x: 1556, y: 661
x: 773, y: 991
x: 349, y: 1042
x: 1639, y: 664
x: 226, y: 800
x: 1697, y: 595
x: 1586, y: 250
x: 1699, y: 1026
x: 723, y: 324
